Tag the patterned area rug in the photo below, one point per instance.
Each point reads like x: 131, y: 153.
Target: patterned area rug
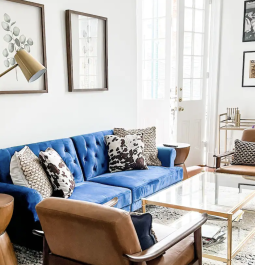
x: 167, y: 217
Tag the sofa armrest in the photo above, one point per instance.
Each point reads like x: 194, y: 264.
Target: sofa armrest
x: 167, y: 156
x: 162, y: 246
x: 25, y: 199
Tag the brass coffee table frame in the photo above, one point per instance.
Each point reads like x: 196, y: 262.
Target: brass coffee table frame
x: 230, y: 253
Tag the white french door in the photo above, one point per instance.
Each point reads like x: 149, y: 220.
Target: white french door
x: 192, y: 76
x: 154, y: 66
x: 172, y: 71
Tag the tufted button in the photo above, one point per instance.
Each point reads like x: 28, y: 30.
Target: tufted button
x: 95, y: 168
x: 97, y: 142
x: 87, y: 145
x: 96, y: 155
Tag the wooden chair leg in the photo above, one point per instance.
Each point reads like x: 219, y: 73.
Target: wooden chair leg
x: 218, y: 162
x: 46, y: 252
x: 198, y: 245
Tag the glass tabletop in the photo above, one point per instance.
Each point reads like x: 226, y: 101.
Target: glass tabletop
x: 208, y: 192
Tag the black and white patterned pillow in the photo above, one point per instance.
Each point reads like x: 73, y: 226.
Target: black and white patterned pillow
x: 244, y: 153
x: 59, y: 174
x: 125, y: 153
x: 149, y: 139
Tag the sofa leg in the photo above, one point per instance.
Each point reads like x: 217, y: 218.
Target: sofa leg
x: 198, y: 245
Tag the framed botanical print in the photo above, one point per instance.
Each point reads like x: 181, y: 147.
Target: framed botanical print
x: 249, y: 69
x: 249, y: 21
x: 87, y: 52
x: 22, y: 28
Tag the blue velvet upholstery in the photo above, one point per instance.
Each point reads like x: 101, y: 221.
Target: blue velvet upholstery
x: 87, y: 158
x: 24, y: 217
x: 98, y: 193
x: 64, y: 147
x: 167, y: 156
x: 142, y: 183
x: 92, y: 152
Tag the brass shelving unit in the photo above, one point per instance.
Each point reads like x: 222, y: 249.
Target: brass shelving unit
x: 226, y: 125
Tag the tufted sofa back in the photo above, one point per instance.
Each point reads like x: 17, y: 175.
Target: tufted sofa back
x: 92, y: 153
x: 64, y: 147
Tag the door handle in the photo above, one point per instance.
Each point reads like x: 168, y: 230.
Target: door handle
x: 181, y: 109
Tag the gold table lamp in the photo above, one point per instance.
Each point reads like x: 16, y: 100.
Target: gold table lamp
x: 30, y: 67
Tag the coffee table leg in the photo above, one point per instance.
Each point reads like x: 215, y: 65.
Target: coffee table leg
x: 144, y: 206
x: 229, y: 257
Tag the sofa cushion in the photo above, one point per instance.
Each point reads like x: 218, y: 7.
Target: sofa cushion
x: 142, y: 183
x: 92, y: 153
x: 64, y: 147
x: 98, y: 193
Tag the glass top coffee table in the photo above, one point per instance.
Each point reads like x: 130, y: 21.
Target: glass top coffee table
x: 220, y: 195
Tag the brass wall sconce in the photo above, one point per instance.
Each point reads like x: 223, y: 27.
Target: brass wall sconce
x: 29, y: 66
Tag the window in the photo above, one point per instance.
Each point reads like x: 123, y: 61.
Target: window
x: 154, y: 48
x: 193, y: 51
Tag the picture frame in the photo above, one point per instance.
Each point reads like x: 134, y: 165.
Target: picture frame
x: 249, y: 21
x: 248, y: 79
x: 87, y: 52
x: 31, y: 37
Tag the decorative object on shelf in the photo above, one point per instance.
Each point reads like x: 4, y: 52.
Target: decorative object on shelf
x: 249, y: 68
x: 87, y: 55
x: 232, y: 121
x: 22, y: 41
x: 249, y: 21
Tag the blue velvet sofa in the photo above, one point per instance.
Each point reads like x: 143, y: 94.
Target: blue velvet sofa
x: 86, y: 156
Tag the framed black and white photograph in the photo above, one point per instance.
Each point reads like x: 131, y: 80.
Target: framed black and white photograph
x: 87, y: 52
x: 249, y: 69
x: 249, y: 21
x: 22, y: 32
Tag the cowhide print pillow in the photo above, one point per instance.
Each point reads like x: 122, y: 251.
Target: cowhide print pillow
x: 125, y: 153
x: 149, y: 139
x: 33, y: 176
x: 244, y: 153
x: 59, y: 174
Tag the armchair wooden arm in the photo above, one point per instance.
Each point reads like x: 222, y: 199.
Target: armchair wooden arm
x: 161, y: 247
x: 220, y: 156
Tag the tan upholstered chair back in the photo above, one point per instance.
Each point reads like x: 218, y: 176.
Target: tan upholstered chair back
x: 87, y: 232
x: 248, y: 135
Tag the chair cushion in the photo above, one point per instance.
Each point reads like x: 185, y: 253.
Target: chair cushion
x: 238, y: 170
x: 92, y: 153
x: 64, y: 147
x: 98, y: 193
x: 142, y: 183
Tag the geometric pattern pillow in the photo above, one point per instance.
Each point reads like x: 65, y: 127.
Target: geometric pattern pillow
x: 36, y: 178
x: 244, y: 153
x: 59, y: 174
x: 125, y: 153
x: 149, y: 139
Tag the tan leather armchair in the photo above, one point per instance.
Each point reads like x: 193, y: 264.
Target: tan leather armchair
x: 86, y: 233
x: 248, y: 136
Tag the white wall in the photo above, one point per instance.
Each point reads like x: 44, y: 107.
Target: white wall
x: 231, y: 92
x: 32, y: 118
